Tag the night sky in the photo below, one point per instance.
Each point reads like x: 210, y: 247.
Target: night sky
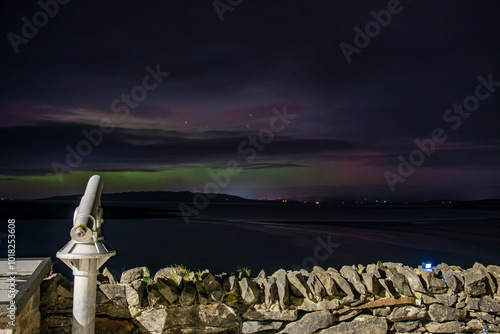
x: 269, y: 98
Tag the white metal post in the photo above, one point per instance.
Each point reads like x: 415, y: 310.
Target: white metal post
x: 84, y: 297
x: 85, y: 253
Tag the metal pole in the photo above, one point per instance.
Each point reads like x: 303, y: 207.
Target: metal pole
x: 84, y: 297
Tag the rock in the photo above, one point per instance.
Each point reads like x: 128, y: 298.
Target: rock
x: 213, y: 288
x: 304, y: 273
x: 406, y: 313
x: 328, y: 282
x: 485, y: 304
x: 201, y: 319
x: 270, y: 290
x: 152, y: 320
x: 475, y: 284
x: 274, y: 313
x: 111, y: 279
x: 399, y: 283
x: 381, y: 312
x: 371, y: 283
x: 260, y: 326
x: 282, y: 288
x: 202, y: 294
x: 168, y: 289
x: 354, y: 303
x: 56, y: 323
x: 495, y: 272
x: 388, y: 288
x: 348, y: 315
x: 134, y: 274
x: 134, y: 293
x: 296, y: 301
x: 188, y: 294
x: 388, y: 302
x: 310, y: 323
x: 260, y: 282
x: 476, y: 326
x: 115, y: 293
x: 230, y: 285
x: 373, y: 269
x: 352, y: 277
x: 459, y: 276
x: 433, y: 283
x: 392, y: 265
x: 317, y: 289
x: 298, y: 285
x: 341, y: 282
x: 492, y: 286
x: 154, y: 295
x: 112, y: 301
x: 363, y: 324
x: 472, y: 303
x: 445, y: 299
x: 168, y: 273
x: 451, y: 281
x: 309, y: 305
x: 445, y: 327
x: 406, y: 326
x: 441, y: 313
x: 250, y: 291
x: 56, y: 295
x: 262, y: 274
x: 489, y: 305
x: 440, y: 268
x: 486, y: 317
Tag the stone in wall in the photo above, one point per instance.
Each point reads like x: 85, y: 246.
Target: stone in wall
x: 188, y: 294
x: 282, y: 287
x: 250, y: 291
x: 399, y: 282
x: 331, y: 287
x: 310, y: 323
x: 342, y: 283
x: 433, y: 283
x: 298, y: 285
x: 494, y: 271
x: 371, y: 283
x: 363, y: 324
x: 270, y: 291
x: 352, y: 276
x: 213, y: 288
x: 133, y: 274
x: 250, y: 327
x: 441, y: 313
x: 445, y: 299
x: 316, y: 287
x: 445, y: 327
x: 407, y: 313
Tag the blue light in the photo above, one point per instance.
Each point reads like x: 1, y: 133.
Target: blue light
x: 427, y: 266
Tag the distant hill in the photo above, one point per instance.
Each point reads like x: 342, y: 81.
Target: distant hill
x: 160, y: 196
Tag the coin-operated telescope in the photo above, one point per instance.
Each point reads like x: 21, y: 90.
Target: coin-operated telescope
x: 85, y: 253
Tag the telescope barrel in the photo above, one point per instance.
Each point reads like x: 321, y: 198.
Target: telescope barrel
x: 88, y: 215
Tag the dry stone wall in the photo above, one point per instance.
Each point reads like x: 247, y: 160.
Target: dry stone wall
x: 376, y: 298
